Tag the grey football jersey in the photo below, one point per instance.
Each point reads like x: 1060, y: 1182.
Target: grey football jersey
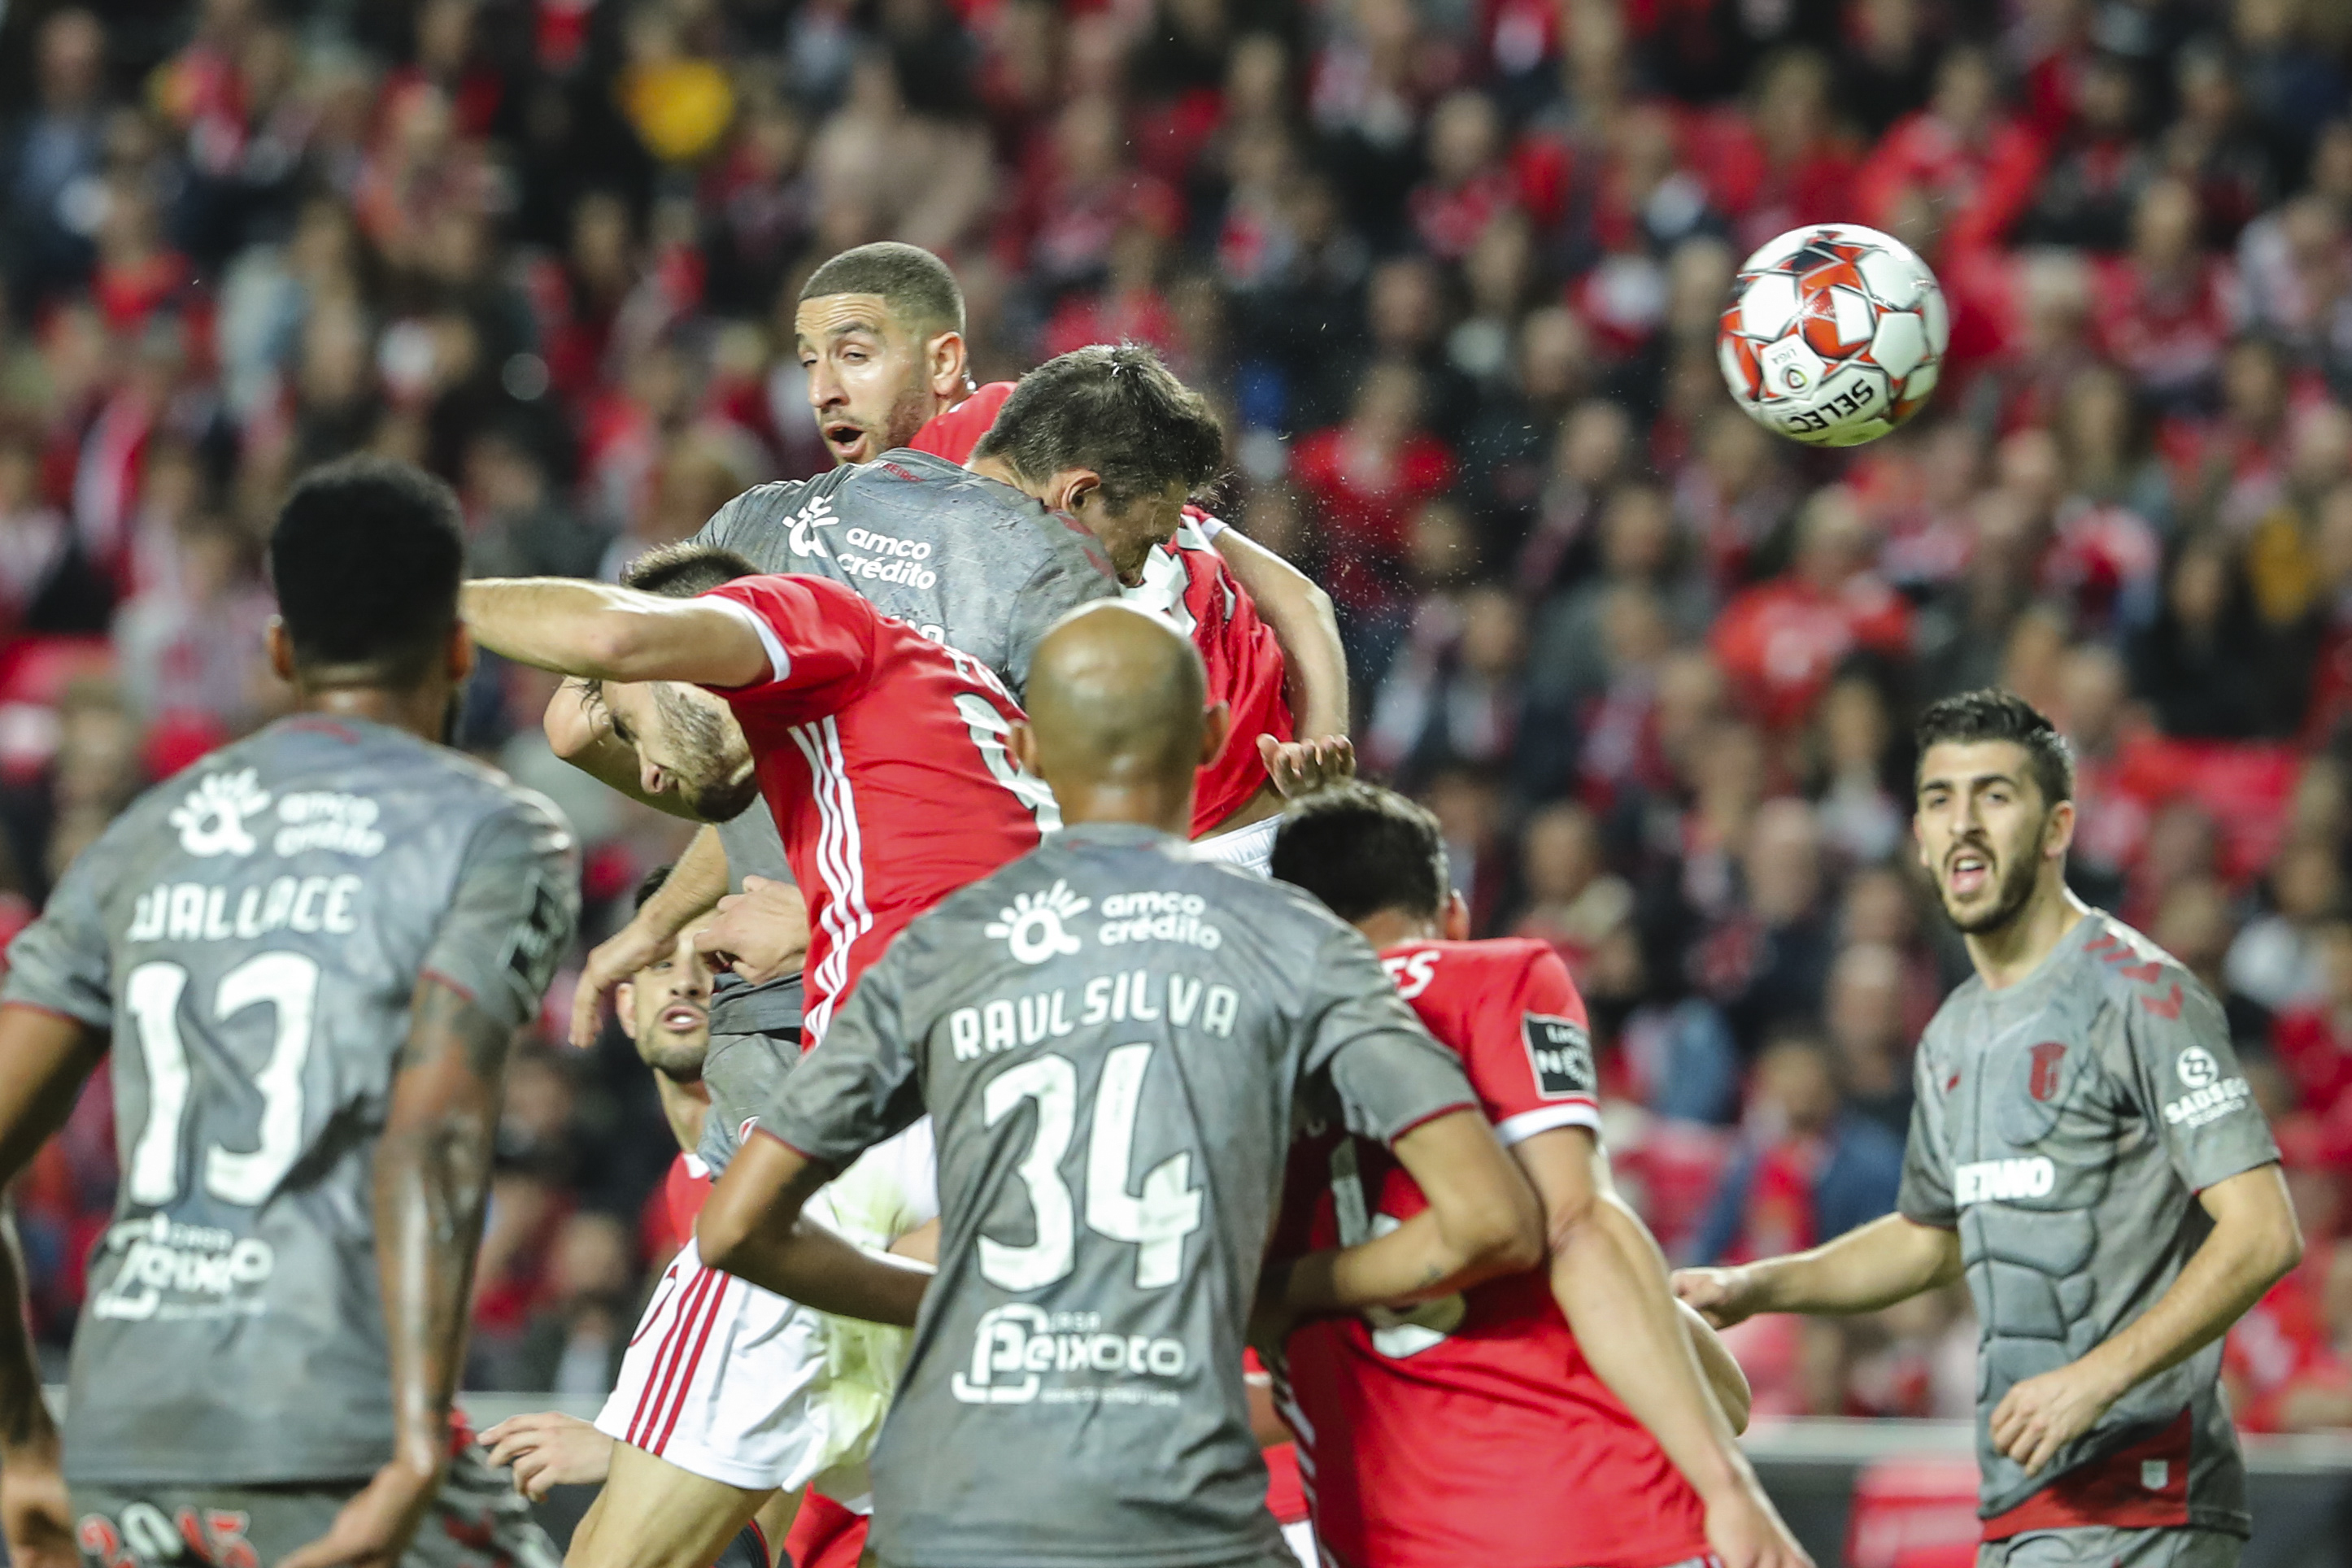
x: 1113, y: 1037
x: 971, y: 563
x: 252, y: 932
x: 2063, y: 1126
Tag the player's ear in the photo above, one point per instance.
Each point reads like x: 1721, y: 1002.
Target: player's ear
x: 1022, y: 742
x: 1455, y: 923
x: 461, y: 655
x: 624, y: 1002
x: 2058, y: 830
x: 1216, y: 729
x: 944, y: 367
x: 281, y: 648
x: 1070, y: 488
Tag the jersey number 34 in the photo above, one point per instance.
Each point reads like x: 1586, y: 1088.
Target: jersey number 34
x: 1157, y: 1220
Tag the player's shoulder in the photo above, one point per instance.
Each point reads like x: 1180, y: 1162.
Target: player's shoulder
x: 2126, y: 970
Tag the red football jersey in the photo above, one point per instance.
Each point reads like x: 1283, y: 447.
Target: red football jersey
x: 684, y: 1191
x: 1491, y: 1441
x: 1187, y: 580
x: 954, y: 434
x: 882, y: 755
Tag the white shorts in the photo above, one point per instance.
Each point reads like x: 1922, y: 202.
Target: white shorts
x: 1251, y: 847
x: 738, y: 1384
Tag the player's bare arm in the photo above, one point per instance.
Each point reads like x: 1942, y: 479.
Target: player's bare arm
x: 1725, y: 1377
x: 1871, y: 1266
x: 1481, y: 1222
x: 432, y: 1182
x: 606, y: 633
x: 1609, y: 1281
x: 1314, y: 667
x: 2255, y: 1243
x: 44, y: 1061
x: 751, y: 1227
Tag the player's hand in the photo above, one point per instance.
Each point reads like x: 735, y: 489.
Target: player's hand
x: 373, y: 1529
x: 1746, y: 1532
x: 548, y: 1449
x: 2038, y: 1417
x: 763, y: 930
x: 35, y: 1514
x: 1302, y: 767
x: 1722, y: 1296
x: 610, y: 961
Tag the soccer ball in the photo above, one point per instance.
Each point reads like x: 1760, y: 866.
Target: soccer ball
x: 1834, y: 334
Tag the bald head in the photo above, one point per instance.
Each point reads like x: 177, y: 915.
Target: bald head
x: 1118, y: 716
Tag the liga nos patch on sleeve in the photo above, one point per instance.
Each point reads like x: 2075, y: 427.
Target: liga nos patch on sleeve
x: 1560, y: 1051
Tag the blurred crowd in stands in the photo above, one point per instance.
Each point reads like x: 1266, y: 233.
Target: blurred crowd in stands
x: 1451, y: 270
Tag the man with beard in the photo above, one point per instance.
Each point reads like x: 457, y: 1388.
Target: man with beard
x: 667, y: 1008
x: 2086, y: 1150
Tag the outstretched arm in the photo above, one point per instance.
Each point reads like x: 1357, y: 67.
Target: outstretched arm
x: 432, y: 1176
x: 1304, y: 623
x: 751, y: 1227
x: 44, y: 1059
x: 1871, y: 1266
x: 604, y: 633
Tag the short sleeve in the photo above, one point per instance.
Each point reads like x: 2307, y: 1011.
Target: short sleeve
x: 2189, y: 1084
x: 516, y: 905
x: 860, y: 1086
x: 62, y: 962
x: 819, y: 638
x: 1923, y: 1196
x: 1531, y: 1057
x: 1388, y: 1074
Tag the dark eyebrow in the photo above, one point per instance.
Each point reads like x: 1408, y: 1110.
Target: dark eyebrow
x: 1994, y: 778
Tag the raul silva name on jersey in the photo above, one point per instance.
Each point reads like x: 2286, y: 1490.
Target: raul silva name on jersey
x: 1008, y: 1022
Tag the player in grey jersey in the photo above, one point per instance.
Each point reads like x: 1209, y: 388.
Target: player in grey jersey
x: 1088, y: 468
x: 1115, y: 1037
x: 2086, y: 1150
x: 311, y: 952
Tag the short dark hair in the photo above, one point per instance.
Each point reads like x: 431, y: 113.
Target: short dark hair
x: 917, y: 285
x: 650, y: 884
x: 1117, y: 411
x: 1361, y: 849
x: 683, y: 570
x: 366, y: 556
x: 1992, y: 714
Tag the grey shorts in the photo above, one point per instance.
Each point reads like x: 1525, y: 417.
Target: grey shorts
x: 2097, y: 1546
x: 478, y: 1522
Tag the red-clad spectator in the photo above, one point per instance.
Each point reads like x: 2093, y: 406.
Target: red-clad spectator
x: 1781, y: 640
x: 1787, y: 164
x: 1366, y: 477
x: 2165, y: 310
x: 2280, y: 1363
x: 1076, y: 195
x: 1128, y: 309
x: 1469, y: 186
x: 2100, y: 166
x: 2313, y: 1044
x: 1970, y: 158
x: 448, y: 57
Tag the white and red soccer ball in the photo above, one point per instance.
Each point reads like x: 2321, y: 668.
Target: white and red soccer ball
x: 1834, y: 335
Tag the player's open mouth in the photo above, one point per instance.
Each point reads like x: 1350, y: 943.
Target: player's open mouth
x: 1969, y: 872
x: 844, y: 438
x: 682, y: 1019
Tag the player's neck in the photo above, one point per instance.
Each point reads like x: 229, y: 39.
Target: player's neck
x: 1142, y: 802
x: 2008, y: 955
x: 685, y: 1106
x: 422, y: 710
x: 1385, y: 928
x: 1000, y: 470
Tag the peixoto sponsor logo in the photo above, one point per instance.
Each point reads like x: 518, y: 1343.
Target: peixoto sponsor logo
x: 1017, y: 1347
